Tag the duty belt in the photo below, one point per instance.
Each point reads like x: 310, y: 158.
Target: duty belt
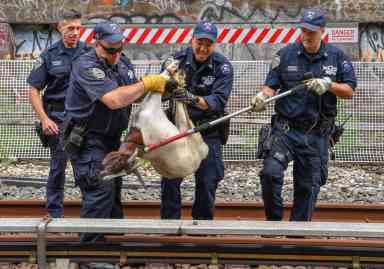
x: 56, y: 106
x: 305, y: 125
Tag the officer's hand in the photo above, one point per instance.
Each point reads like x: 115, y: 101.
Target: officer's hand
x: 319, y: 85
x: 154, y: 83
x: 183, y: 95
x: 258, y: 102
x: 49, y: 127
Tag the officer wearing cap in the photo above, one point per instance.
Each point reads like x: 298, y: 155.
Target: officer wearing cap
x: 209, y: 80
x: 303, y: 121
x: 103, y: 87
x: 51, y: 73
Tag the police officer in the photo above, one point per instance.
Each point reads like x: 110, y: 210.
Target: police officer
x: 103, y: 86
x: 51, y: 73
x: 303, y: 121
x: 209, y: 80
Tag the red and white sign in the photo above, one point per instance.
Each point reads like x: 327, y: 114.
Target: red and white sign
x: 343, y: 35
x: 262, y: 35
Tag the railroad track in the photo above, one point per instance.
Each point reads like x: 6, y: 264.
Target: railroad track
x: 223, y: 210
x: 192, y: 245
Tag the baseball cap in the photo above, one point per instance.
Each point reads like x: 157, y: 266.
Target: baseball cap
x: 108, y: 32
x: 205, y: 29
x: 313, y: 19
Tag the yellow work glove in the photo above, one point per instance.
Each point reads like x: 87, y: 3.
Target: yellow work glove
x: 154, y: 83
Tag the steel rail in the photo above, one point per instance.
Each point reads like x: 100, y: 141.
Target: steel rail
x: 211, y: 250
x: 223, y: 210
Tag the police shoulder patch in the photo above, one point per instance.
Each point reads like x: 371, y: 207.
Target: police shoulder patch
x: 95, y: 73
x: 347, y: 66
x: 225, y: 69
x: 38, y: 62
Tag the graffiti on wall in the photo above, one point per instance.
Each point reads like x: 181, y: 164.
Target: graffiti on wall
x: 31, y: 40
x: 40, y: 11
x: 372, y: 42
x: 187, y: 11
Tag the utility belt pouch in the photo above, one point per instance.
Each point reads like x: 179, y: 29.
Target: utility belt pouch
x: 327, y: 126
x: 264, y: 144
x: 337, y: 132
x: 74, y: 134
x: 39, y: 131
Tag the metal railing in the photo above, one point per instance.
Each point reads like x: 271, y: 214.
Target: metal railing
x: 363, y: 140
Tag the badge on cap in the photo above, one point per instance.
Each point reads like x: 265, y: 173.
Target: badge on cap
x: 38, y: 62
x: 95, y: 73
x: 310, y: 15
x: 207, y: 26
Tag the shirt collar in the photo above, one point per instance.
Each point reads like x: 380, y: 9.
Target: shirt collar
x: 63, y: 49
x: 322, y: 53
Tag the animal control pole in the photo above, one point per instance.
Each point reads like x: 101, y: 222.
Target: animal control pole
x: 210, y: 124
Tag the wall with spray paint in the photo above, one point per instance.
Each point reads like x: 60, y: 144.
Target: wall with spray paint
x: 30, y: 20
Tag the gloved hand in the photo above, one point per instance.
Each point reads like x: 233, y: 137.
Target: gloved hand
x: 319, y: 85
x: 258, y: 102
x: 156, y: 83
x: 185, y: 96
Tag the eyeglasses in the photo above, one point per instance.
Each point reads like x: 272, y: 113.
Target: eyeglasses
x: 112, y: 50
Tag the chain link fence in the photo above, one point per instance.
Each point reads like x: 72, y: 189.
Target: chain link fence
x: 363, y: 139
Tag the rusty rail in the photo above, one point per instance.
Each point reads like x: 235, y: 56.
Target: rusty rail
x: 223, y: 211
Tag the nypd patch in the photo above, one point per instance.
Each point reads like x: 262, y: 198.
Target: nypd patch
x: 95, y: 73
x: 347, y: 66
x: 330, y: 70
x: 130, y: 74
x: 208, y: 80
x: 38, y: 62
x: 225, y: 69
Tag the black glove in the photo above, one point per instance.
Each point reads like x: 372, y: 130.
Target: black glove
x: 183, y: 95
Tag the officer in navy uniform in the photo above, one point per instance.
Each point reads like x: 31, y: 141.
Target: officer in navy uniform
x: 51, y: 72
x: 103, y: 87
x: 303, y: 121
x: 209, y: 81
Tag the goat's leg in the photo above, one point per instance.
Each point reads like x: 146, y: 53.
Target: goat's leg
x: 123, y: 159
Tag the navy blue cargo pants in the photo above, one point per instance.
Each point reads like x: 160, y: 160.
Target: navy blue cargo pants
x: 58, y: 164
x: 309, y: 152
x: 207, y: 178
x: 100, y: 199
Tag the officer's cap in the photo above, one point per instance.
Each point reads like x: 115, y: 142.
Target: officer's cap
x: 313, y: 19
x: 108, y: 32
x: 205, y: 29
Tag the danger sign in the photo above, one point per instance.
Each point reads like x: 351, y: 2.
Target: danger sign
x: 343, y: 35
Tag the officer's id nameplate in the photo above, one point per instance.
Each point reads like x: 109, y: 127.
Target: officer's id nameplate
x: 95, y: 73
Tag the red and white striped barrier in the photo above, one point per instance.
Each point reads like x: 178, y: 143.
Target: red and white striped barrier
x: 263, y: 35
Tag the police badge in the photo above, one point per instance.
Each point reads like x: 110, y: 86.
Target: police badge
x: 95, y: 73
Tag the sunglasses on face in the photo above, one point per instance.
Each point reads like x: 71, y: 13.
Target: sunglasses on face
x: 112, y: 50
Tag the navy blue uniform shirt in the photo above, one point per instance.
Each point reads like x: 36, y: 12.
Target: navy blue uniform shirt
x: 288, y: 69
x: 52, y: 70
x: 91, y: 78
x: 213, y: 80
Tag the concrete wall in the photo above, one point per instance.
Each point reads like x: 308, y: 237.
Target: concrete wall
x: 27, y: 28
